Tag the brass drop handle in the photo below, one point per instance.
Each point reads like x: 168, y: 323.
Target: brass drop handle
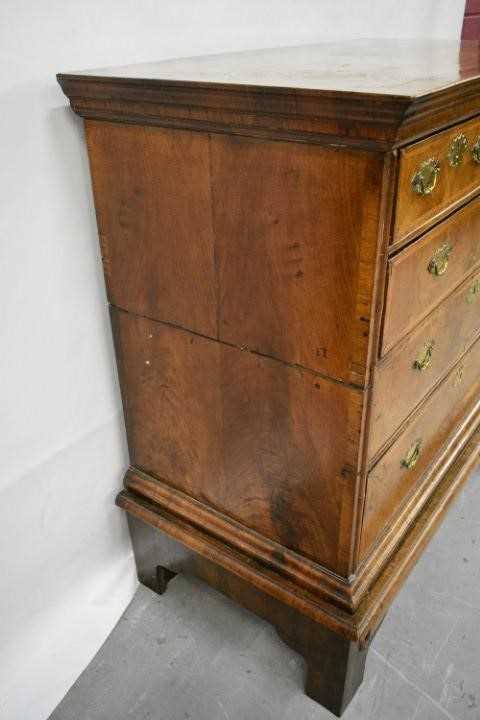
x: 411, y: 458
x: 476, y: 151
x: 424, y: 358
x: 439, y: 262
x: 456, y: 151
x: 425, y: 178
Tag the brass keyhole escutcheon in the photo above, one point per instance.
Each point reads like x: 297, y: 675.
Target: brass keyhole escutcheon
x: 424, y: 359
x: 439, y: 262
x: 476, y: 151
x: 425, y: 178
x: 456, y: 151
x: 473, y: 292
x: 411, y: 458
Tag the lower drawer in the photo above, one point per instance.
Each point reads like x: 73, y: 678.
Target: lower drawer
x: 401, y: 468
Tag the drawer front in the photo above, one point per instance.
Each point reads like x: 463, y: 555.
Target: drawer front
x: 423, y: 274
x: 400, y: 470
x: 436, y: 174
x: 415, y: 365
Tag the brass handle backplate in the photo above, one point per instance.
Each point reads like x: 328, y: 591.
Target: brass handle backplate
x: 425, y: 178
x: 411, y: 458
x: 476, y: 151
x: 456, y: 151
x: 424, y: 359
x: 439, y: 262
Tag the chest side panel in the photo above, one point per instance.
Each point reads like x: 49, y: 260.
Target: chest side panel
x: 271, y: 446
x: 268, y: 245
x: 296, y: 229
x: 153, y: 205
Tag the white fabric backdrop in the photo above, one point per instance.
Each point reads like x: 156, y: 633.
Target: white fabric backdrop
x: 66, y: 563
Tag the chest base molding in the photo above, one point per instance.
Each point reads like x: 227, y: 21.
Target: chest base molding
x: 352, y: 608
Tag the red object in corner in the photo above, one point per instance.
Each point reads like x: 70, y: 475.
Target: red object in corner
x: 471, y: 21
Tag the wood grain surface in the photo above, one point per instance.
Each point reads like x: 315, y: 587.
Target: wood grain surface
x: 371, y: 93
x: 297, y: 232
x: 390, y: 482
x: 415, y: 213
x: 270, y: 246
x: 398, y: 384
x: 409, y: 276
x: 152, y: 197
x: 271, y: 446
x: 376, y: 588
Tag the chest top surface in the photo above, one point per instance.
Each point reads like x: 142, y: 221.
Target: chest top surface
x: 407, y: 68
x: 381, y: 93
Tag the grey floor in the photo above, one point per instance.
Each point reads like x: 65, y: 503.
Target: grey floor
x: 194, y: 655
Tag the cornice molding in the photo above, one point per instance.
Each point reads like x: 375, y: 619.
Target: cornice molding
x: 369, y: 121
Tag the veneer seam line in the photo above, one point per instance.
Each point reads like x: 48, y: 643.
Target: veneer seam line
x: 245, y: 348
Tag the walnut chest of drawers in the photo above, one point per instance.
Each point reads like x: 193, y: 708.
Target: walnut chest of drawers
x: 291, y: 247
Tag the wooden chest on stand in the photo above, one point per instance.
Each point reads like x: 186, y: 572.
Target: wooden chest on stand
x: 291, y: 247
